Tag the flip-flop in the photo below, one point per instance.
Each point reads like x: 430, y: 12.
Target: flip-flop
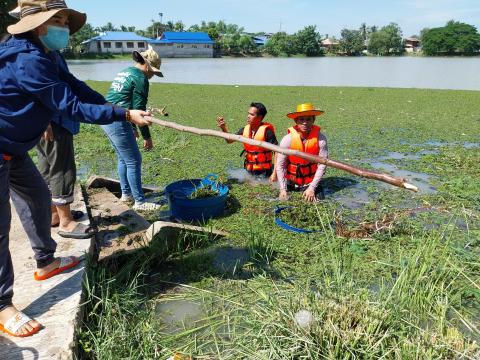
x: 76, y: 215
x: 65, y: 264
x: 15, y: 323
x: 81, y: 231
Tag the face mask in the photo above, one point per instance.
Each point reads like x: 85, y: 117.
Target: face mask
x: 56, y: 38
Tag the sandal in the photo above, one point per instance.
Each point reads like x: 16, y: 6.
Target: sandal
x: 15, y: 323
x: 76, y: 215
x: 65, y: 264
x: 81, y: 231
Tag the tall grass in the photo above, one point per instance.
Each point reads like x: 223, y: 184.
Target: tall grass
x: 408, y: 317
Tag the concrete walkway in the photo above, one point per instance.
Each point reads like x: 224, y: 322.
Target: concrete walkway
x: 55, y: 302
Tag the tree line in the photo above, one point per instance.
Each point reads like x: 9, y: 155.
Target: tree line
x: 455, y: 38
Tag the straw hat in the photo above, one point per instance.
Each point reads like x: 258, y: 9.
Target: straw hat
x: 34, y: 13
x: 152, y: 59
x: 306, y: 109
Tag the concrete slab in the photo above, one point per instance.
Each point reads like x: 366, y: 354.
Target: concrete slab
x: 53, y: 302
x: 123, y: 231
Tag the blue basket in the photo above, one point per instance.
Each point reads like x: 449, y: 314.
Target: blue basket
x: 185, y: 209
x: 284, y: 225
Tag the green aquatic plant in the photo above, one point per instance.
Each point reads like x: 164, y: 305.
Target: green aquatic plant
x: 409, y: 292
x: 203, y: 193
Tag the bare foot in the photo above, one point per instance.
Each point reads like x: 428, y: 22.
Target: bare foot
x: 11, y: 311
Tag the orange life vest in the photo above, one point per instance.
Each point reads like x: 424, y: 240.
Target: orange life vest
x: 301, y: 171
x: 257, y: 158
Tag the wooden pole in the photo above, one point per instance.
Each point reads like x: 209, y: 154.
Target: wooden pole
x: 369, y: 174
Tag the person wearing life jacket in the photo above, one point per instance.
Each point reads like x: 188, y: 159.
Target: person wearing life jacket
x: 293, y: 172
x: 258, y: 161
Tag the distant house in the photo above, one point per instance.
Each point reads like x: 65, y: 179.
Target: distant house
x: 260, y: 40
x: 183, y: 44
x: 117, y: 42
x: 329, y: 44
x: 412, y: 44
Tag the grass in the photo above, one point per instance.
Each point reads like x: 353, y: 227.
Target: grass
x: 411, y: 291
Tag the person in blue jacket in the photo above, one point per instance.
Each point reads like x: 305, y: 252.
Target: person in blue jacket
x: 35, y: 88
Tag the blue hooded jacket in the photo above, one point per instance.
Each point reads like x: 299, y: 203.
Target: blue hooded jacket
x: 34, y: 89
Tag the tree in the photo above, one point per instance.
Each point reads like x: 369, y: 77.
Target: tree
x: 308, y: 41
x: 453, y: 39
x: 423, y: 32
x: 5, y: 19
x: 281, y: 44
x: 364, y: 32
x: 179, y: 26
x: 246, y: 44
x: 352, y: 41
x: 85, y: 33
x: 169, y: 26
x: 108, y: 27
x: 127, y: 28
x: 386, y: 41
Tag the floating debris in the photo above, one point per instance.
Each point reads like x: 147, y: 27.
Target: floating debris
x: 304, y: 319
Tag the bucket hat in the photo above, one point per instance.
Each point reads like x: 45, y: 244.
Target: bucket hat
x: 306, y: 109
x: 34, y: 13
x: 150, y: 57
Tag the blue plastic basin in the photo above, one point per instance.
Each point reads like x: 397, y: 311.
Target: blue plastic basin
x: 185, y: 209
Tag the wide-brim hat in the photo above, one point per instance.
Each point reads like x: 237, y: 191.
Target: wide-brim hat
x: 306, y: 109
x: 151, y: 58
x: 34, y: 13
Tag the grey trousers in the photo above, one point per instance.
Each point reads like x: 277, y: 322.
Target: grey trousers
x: 56, y: 163
x: 20, y: 180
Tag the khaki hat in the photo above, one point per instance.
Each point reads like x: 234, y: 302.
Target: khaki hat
x: 34, y: 13
x: 306, y: 109
x: 152, y: 59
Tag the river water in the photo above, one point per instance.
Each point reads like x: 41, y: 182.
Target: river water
x: 398, y: 72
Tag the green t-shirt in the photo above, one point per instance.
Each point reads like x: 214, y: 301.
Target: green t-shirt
x: 129, y: 90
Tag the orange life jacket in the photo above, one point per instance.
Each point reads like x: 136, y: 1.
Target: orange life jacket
x: 301, y: 171
x: 257, y: 158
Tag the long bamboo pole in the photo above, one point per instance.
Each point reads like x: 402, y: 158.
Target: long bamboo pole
x: 369, y: 174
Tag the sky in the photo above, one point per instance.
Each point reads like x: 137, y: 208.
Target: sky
x: 330, y: 17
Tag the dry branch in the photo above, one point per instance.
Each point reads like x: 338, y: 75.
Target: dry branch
x: 369, y: 174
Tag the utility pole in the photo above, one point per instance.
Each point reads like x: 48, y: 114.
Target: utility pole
x: 161, y: 16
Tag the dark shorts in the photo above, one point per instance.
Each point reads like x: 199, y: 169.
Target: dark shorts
x: 264, y: 173
x: 56, y: 163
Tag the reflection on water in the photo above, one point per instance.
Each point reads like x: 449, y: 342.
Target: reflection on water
x: 177, y: 315
x: 418, y: 179
x: 457, y: 73
x: 229, y: 259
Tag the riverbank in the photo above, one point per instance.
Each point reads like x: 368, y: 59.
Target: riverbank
x: 408, y: 290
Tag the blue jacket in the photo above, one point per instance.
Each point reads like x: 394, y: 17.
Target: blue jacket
x: 85, y: 94
x: 34, y: 88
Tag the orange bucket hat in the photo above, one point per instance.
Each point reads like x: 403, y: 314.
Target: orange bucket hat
x: 306, y: 109
x: 33, y: 13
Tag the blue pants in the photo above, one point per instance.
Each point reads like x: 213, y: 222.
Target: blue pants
x: 120, y: 134
x: 20, y: 180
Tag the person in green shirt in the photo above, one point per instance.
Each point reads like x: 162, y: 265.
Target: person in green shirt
x: 129, y: 90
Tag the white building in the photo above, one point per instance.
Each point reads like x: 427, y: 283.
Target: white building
x: 116, y: 42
